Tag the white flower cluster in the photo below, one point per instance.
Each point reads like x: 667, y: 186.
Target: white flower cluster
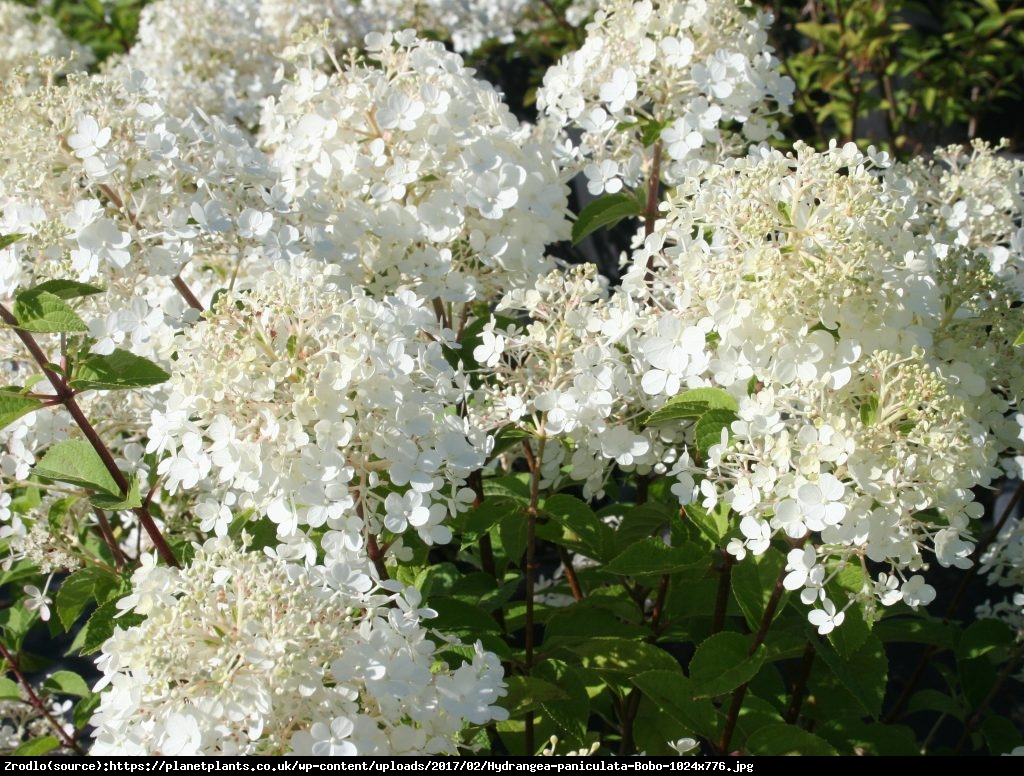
x: 413, y: 172
x: 792, y: 283
x: 224, y: 57
x: 684, y: 72
x: 302, y: 401
x: 855, y: 426
x: 241, y: 654
x: 1003, y: 564
x: 34, y: 48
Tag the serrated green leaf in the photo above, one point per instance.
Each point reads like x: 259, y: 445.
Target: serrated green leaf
x: 477, y: 520
x: 84, y: 709
x: 871, y: 738
x: 66, y: 683
x: 775, y: 740
x: 1001, y: 735
x: 616, y: 658
x: 653, y: 556
x: 101, y: 626
x: 36, y: 747
x: 9, y: 689
x: 527, y: 693
x: 67, y: 289
x: 713, y: 524
x: 461, y: 618
x: 982, y: 637
x: 652, y: 131
x: 919, y: 629
x: 46, y: 313
x: 708, y: 429
x: 13, y: 406
x: 752, y: 583
x: 673, y: 694
x: 640, y: 521
x: 692, y: 404
x: 85, y: 586
x: 933, y: 700
x: 721, y: 664
x: 605, y: 211
x: 572, y: 713
x: 115, y: 371
x: 574, y: 525
x: 116, y: 503
x: 74, y: 461
x: 512, y: 532
x: 864, y: 673
x: 9, y: 239
x: 511, y: 486
x: 589, y: 619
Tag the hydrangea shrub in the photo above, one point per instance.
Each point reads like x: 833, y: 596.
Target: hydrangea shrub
x: 313, y: 446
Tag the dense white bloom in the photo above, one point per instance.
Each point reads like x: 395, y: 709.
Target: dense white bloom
x: 251, y: 655
x: 681, y: 70
x: 854, y: 346
x: 411, y: 171
x: 300, y: 398
x: 35, y: 48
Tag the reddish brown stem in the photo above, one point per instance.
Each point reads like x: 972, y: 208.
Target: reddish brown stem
x: 39, y: 704
x: 66, y: 396
x: 108, y: 537
x: 762, y: 633
x: 570, y: 574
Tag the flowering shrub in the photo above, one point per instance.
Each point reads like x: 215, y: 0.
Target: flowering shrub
x: 314, y: 448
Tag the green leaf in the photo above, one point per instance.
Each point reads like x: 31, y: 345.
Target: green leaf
x: 1020, y: 340
x: 36, y: 746
x: 981, y: 637
x: 871, y: 738
x: 571, y: 714
x: 708, y: 430
x: 85, y: 586
x: 76, y: 462
x: 67, y: 289
x: 527, y: 693
x: 43, y: 312
x: 752, y: 583
x: 652, y: 131
x: 616, y: 658
x: 934, y: 700
x: 461, y: 618
x: 721, y: 664
x: 653, y: 556
x: 512, y: 532
x: 575, y: 526
x: 640, y: 521
x: 774, y: 740
x: 9, y: 239
x: 864, y: 673
x: 714, y: 524
x: 117, y: 370
x: 692, y: 404
x: 13, y: 406
x: 116, y: 503
x: 593, y: 617
x: 9, y: 689
x: 605, y: 211
x: 673, y: 694
x: 66, y: 683
x: 1001, y: 735
x: 101, y: 626
x: 853, y: 633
